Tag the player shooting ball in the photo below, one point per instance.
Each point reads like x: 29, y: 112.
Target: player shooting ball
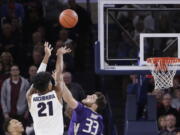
x: 45, y: 99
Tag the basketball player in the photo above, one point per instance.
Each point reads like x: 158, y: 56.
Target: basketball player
x: 86, y: 119
x: 45, y: 104
x: 13, y: 127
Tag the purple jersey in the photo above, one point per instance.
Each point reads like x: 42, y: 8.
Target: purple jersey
x: 85, y: 122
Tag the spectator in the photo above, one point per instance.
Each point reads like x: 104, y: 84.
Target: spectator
x: 158, y: 94
x: 37, y: 55
x: 13, y: 127
x: 37, y: 38
x: 165, y: 108
x: 176, y: 82
x: 8, y: 39
x: 7, y: 61
x: 176, y: 100
x: 178, y: 133
x: 42, y: 30
x: 13, y: 95
x: 16, y: 25
x: 162, y: 123
x: 75, y: 88
x: 170, y: 126
x: 32, y: 72
x: 133, y: 86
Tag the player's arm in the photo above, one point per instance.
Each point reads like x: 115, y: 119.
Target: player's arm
x: 61, y: 87
x: 67, y: 96
x: 47, y: 49
x: 58, y: 75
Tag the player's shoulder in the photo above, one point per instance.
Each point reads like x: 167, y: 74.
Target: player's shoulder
x: 100, y: 116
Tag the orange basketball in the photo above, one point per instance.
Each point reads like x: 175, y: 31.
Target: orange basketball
x: 68, y: 18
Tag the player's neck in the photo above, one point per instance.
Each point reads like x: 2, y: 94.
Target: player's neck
x: 92, y: 109
x: 42, y: 93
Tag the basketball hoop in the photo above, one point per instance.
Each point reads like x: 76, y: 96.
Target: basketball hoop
x: 163, y: 70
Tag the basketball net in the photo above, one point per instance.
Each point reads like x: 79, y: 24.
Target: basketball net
x: 163, y: 70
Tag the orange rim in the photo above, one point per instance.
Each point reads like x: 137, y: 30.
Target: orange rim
x: 163, y: 60
x: 161, y: 63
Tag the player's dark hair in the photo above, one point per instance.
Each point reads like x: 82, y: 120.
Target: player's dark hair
x: 100, y: 101
x: 41, y: 81
x: 6, y: 124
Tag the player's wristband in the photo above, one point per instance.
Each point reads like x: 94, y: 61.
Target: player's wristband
x: 42, y: 67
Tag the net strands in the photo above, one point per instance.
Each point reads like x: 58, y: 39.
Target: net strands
x: 163, y: 71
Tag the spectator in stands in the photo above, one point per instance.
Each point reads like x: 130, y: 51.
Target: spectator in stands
x: 32, y: 72
x: 13, y: 95
x: 75, y: 88
x: 176, y: 82
x: 158, y: 94
x: 37, y: 38
x: 8, y: 39
x: 165, y: 108
x: 176, y: 100
x: 7, y: 61
x: 170, y: 126
x: 42, y: 30
x: 16, y: 25
x: 162, y: 123
x: 13, y: 127
x: 132, y: 87
x: 37, y: 55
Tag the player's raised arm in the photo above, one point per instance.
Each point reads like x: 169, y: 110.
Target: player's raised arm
x: 65, y: 93
x: 60, y: 63
x: 47, y: 49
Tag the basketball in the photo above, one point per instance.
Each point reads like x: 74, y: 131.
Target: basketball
x: 68, y: 18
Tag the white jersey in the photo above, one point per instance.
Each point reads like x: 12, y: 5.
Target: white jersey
x: 46, y: 111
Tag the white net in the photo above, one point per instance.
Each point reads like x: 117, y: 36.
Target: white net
x: 164, y: 79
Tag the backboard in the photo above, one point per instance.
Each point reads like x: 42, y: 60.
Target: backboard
x: 130, y: 31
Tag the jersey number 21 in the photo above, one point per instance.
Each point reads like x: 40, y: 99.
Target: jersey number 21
x: 42, y: 106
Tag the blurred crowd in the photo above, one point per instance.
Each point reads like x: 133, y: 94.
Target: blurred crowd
x: 168, y: 103
x: 25, y: 26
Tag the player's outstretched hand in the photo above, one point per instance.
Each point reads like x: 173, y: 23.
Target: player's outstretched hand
x: 47, y: 49
x: 63, y: 50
